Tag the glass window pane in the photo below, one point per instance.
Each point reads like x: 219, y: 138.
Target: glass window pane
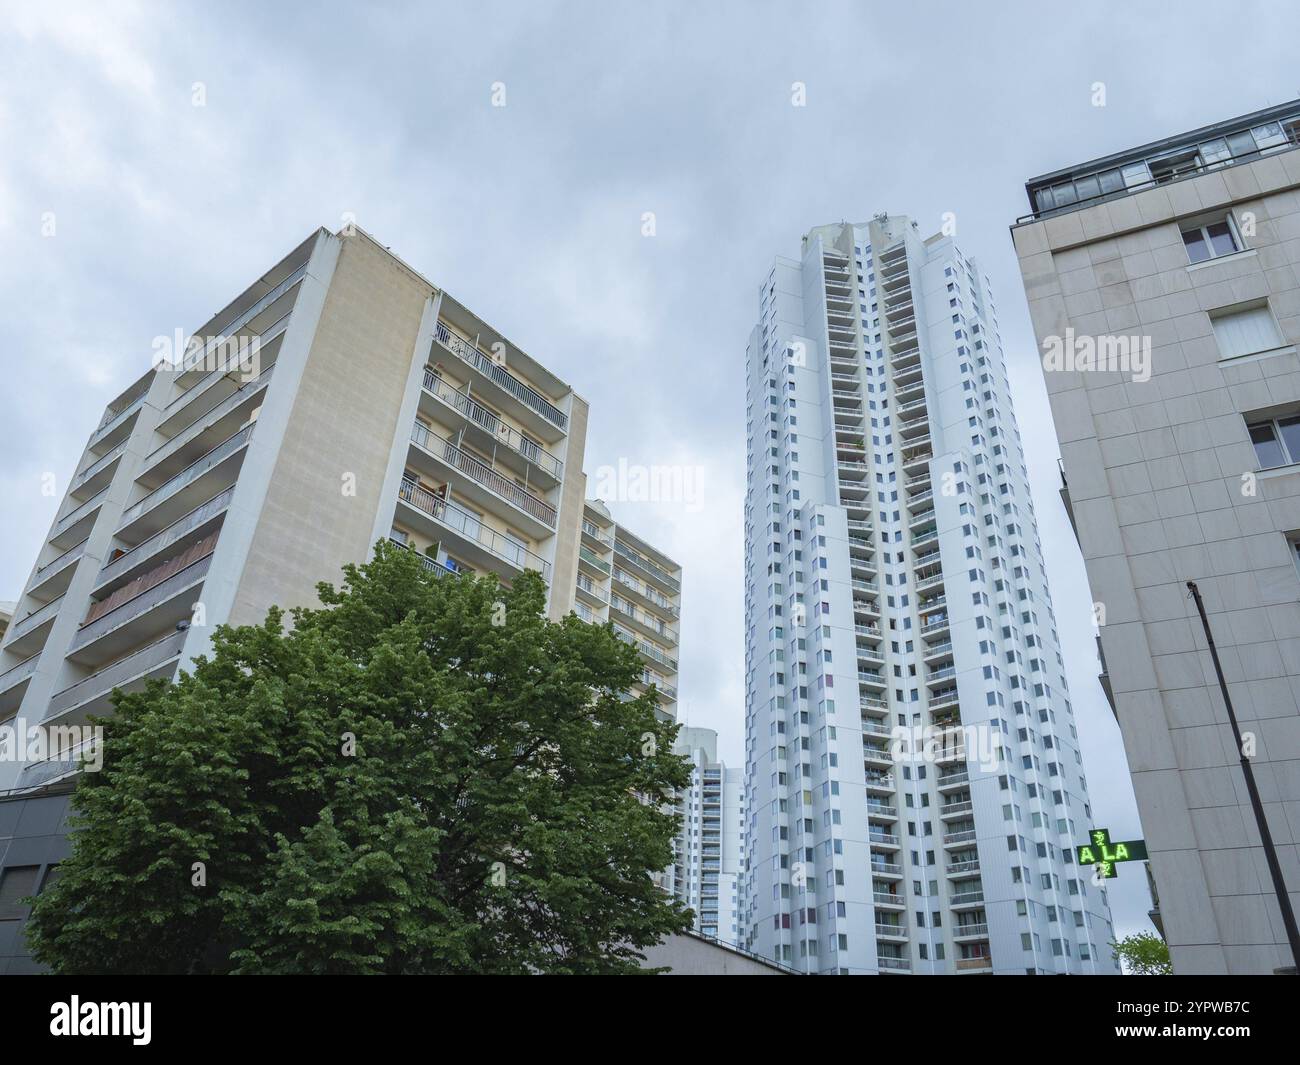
x: 1046, y: 201
x: 1241, y: 143
x: 1087, y: 188
x: 1290, y: 430
x: 1269, y: 134
x: 1221, y: 240
x: 1213, y: 151
x: 1267, y: 449
x: 1111, y: 181
x: 1136, y: 174
x: 1197, y: 250
x: 1064, y: 194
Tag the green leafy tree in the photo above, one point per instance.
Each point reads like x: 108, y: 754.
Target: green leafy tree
x: 1143, y: 954
x: 424, y: 775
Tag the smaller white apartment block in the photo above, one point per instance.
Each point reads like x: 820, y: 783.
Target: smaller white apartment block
x: 707, y: 864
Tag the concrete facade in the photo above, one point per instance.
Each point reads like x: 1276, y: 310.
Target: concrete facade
x: 1189, y: 249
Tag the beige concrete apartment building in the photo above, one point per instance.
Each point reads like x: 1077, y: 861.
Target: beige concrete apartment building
x: 340, y: 399
x: 1164, y: 287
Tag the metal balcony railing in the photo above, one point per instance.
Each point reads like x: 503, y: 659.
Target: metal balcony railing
x: 201, y: 385
x: 204, y: 421
x: 55, y: 564
x: 647, y: 566
x: 126, y: 612
x: 483, y: 474
x: 112, y: 421
x: 490, y: 423
x: 234, y: 325
x: 99, y: 464
x: 76, y: 514
x: 191, y: 473
x: 35, y: 619
x: 503, y: 378
x: 16, y: 674
x: 136, y: 664
x: 627, y: 636
x: 471, y: 527
x: 592, y: 559
x: 162, y: 540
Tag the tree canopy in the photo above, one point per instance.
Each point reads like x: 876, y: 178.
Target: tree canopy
x: 423, y: 775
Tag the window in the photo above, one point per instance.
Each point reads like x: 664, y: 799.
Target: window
x: 1277, y: 441
x: 1212, y: 239
x: 1245, y: 331
x: 16, y: 883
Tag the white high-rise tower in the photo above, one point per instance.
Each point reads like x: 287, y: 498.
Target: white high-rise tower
x: 914, y: 787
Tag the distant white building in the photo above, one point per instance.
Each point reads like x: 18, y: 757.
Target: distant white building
x: 707, y: 866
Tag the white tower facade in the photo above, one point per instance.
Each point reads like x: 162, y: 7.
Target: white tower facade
x: 708, y: 862
x: 914, y: 787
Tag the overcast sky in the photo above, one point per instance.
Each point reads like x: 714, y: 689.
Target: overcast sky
x: 532, y: 213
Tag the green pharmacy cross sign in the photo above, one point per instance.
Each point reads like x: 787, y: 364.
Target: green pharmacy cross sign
x: 1101, y: 852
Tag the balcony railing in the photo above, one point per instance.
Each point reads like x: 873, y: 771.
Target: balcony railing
x: 120, y: 672
x: 490, y: 423
x: 528, y: 396
x: 483, y: 474
x: 627, y: 636
x: 55, y: 564
x: 73, y: 516
x: 647, y: 566
x: 234, y: 325
x: 16, y: 674
x: 468, y: 525
x: 130, y: 609
x: 35, y: 619
x: 168, y: 536
x: 592, y: 559
x: 112, y: 421
x: 192, y: 472
x: 99, y: 464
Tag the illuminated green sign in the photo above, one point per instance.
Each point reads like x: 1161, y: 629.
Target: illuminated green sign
x: 1101, y: 852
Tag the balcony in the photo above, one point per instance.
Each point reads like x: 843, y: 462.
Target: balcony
x: 54, y: 577
x: 963, y: 868
x: 486, y: 482
x: 902, y: 965
x: 479, y: 544
x: 888, y: 898
x: 216, y: 385
x: 648, y: 568
x: 890, y: 931
x: 649, y: 624
x: 971, y: 964
x: 74, y: 526
x: 952, y: 809
x: 528, y: 398
x: 92, y: 694
x: 885, y: 869
x: 597, y: 536
x: 210, y: 427
x: 181, y: 493
x: 511, y: 446
x: 113, y: 427
x: 970, y: 931
x: 146, y: 608
x: 27, y: 634
x: 648, y: 649
x: 589, y: 588
x: 13, y: 683
x: 590, y: 558
x: 967, y: 898
x: 953, y: 780
x: 203, y: 519
x: 882, y: 809
x: 94, y: 477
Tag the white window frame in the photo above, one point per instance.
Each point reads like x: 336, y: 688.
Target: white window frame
x: 1203, y: 227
